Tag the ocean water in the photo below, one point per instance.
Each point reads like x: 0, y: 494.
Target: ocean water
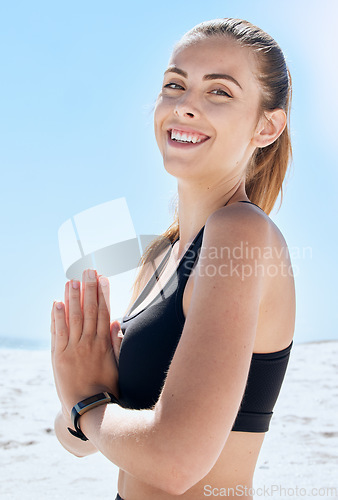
x: 26, y: 344
x: 33, y: 344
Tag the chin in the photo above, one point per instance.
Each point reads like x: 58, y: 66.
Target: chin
x: 184, y: 170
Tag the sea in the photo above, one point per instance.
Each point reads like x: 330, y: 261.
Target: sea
x: 34, y: 344
x: 24, y: 344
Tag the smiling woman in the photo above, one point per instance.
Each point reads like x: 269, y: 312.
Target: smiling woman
x: 181, y: 393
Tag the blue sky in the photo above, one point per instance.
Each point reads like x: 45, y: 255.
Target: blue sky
x: 78, y: 83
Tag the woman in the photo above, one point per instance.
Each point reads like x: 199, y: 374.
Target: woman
x: 206, y: 343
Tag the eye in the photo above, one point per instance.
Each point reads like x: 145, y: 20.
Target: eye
x: 173, y: 86
x: 220, y: 92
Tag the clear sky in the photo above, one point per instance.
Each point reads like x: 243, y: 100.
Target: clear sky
x: 78, y: 84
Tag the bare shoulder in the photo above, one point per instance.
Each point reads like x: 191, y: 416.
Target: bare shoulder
x: 248, y: 223
x: 239, y: 223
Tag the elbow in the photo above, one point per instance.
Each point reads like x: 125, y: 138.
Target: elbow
x: 173, y: 486
x: 179, y: 463
x: 168, y: 474
x: 177, y: 483
x: 177, y: 478
x: 185, y: 469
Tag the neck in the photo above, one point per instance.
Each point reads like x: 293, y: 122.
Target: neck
x: 197, y: 203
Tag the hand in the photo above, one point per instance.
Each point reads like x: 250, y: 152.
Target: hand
x: 83, y: 357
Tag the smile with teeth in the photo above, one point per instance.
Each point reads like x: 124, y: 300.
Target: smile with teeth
x: 187, y: 137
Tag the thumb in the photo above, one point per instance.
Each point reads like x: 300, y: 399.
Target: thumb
x: 116, y: 338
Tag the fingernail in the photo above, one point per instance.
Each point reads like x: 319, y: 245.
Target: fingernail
x: 75, y: 284
x: 58, y: 305
x: 92, y: 274
x: 103, y: 281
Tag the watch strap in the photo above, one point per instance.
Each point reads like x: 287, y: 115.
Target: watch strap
x: 78, y: 433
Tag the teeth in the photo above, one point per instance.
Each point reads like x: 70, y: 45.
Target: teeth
x: 185, y: 137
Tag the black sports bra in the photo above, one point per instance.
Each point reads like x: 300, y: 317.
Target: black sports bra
x: 152, y: 335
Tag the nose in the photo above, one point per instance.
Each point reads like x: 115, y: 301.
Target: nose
x: 186, y: 107
x: 177, y: 112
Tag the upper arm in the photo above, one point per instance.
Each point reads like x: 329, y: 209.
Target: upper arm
x: 207, y: 376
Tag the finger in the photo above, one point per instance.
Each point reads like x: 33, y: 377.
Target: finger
x: 67, y: 302
x: 61, y: 329
x: 117, y: 326
x: 103, y: 315
x: 75, y: 311
x: 116, y: 338
x: 52, y: 328
x: 90, y: 305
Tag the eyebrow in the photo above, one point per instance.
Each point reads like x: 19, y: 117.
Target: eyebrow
x: 211, y: 76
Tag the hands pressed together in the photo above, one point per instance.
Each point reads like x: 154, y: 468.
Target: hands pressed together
x: 85, y: 346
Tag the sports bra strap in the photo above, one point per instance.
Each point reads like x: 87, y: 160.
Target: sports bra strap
x: 245, y: 201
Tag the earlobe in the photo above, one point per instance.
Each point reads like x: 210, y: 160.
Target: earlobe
x: 269, y: 128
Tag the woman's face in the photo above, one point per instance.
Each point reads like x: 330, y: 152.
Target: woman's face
x: 208, y: 110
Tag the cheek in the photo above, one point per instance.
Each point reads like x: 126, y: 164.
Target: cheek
x: 159, y: 117
x: 158, y: 111
x: 162, y: 112
x: 233, y: 133
x: 235, y: 126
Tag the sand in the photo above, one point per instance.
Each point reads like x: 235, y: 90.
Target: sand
x: 300, y: 452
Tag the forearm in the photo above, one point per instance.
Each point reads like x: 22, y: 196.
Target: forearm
x: 70, y: 443
x: 137, y: 442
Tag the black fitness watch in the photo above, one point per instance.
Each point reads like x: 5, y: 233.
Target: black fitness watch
x: 86, y: 405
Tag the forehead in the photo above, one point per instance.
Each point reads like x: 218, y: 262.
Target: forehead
x: 213, y: 55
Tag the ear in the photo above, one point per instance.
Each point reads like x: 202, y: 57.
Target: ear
x: 269, y: 128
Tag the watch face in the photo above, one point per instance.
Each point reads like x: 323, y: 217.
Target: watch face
x: 91, y: 400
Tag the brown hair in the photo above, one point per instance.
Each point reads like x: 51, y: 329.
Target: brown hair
x: 268, y: 166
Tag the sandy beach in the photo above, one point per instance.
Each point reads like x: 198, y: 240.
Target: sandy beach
x: 299, y: 457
